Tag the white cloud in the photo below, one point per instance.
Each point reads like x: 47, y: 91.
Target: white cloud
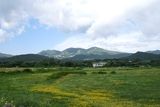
x: 136, y: 29
x: 12, y: 18
x: 130, y: 42
x: 125, y: 25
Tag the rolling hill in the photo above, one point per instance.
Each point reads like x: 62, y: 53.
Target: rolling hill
x: 143, y: 56
x: 26, y: 57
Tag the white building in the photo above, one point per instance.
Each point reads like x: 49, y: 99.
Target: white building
x: 98, y: 64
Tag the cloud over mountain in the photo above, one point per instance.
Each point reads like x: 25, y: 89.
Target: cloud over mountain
x: 126, y: 25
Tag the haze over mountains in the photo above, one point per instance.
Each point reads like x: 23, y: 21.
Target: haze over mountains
x: 85, y: 54
x: 2, y: 55
x: 154, y: 52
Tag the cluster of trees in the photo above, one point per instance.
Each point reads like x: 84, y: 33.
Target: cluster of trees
x: 51, y: 62
x: 132, y: 63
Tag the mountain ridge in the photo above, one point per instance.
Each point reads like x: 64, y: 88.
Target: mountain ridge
x: 3, y: 55
x: 74, y: 53
x: 154, y: 52
x: 143, y: 56
x: 90, y: 54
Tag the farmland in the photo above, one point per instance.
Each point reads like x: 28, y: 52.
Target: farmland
x: 80, y: 87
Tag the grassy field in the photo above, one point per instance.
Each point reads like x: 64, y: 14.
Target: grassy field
x: 80, y: 87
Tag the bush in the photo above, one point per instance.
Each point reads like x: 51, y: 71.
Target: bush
x: 57, y: 75
x: 99, y: 72
x: 79, y: 68
x: 79, y: 72
x: 27, y: 70
x: 113, y: 72
x: 102, y: 72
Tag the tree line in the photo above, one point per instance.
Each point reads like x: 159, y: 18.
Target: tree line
x: 51, y: 62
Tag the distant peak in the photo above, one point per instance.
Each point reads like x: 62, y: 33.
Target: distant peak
x: 139, y: 52
x: 72, y: 48
x: 94, y: 48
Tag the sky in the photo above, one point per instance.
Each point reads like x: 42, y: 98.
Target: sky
x: 30, y: 26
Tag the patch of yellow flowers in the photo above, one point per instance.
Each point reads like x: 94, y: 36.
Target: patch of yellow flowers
x: 84, y: 98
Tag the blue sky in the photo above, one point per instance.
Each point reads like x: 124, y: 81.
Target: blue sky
x: 28, y: 26
x: 34, y: 39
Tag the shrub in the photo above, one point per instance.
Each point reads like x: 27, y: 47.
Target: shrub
x: 102, y: 72
x: 57, y: 75
x: 27, y: 70
x: 99, y: 72
x: 113, y: 72
x: 79, y: 72
x: 78, y: 68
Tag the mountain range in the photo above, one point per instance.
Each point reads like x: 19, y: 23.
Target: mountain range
x: 84, y: 54
x: 2, y: 55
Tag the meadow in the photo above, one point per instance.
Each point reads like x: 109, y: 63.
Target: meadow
x: 80, y: 87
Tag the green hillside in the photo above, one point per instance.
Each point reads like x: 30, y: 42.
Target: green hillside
x: 27, y: 57
x: 143, y: 56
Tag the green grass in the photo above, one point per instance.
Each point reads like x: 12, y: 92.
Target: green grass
x: 69, y: 87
